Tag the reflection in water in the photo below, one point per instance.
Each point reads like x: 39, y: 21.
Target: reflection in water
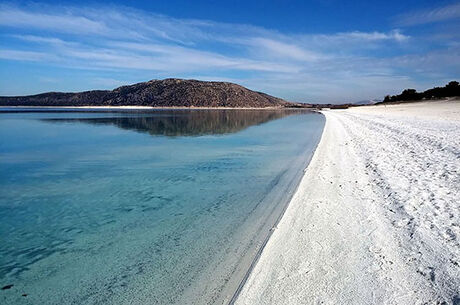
x: 186, y: 122
x: 92, y: 215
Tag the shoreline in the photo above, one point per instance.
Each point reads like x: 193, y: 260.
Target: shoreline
x: 285, y: 206
x: 342, y: 238
x: 270, y: 210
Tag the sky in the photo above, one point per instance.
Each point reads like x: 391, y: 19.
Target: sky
x: 319, y: 51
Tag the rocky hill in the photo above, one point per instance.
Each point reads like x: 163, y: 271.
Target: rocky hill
x: 156, y: 93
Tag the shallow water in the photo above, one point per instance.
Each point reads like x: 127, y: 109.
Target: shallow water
x: 141, y: 207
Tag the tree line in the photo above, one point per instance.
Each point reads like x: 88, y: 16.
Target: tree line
x: 449, y: 90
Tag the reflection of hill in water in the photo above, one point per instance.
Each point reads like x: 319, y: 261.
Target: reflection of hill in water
x: 187, y: 122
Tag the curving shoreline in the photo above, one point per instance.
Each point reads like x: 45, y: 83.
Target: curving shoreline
x: 232, y: 270
x: 294, y: 186
x: 375, y: 218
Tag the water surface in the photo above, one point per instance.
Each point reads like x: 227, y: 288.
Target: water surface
x: 142, y: 207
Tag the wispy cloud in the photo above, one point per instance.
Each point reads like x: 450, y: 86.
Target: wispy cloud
x: 438, y: 14
x: 125, y: 41
x: 109, y: 82
x: 371, y: 36
x: 24, y: 55
x: 280, y: 49
x: 66, y: 23
x: 45, y: 40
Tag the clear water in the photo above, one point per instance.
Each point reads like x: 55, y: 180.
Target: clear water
x: 153, y: 207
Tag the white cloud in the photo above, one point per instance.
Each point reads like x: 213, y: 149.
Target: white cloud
x: 67, y: 22
x: 307, y: 67
x: 45, y: 40
x: 24, y: 55
x: 281, y: 49
x: 372, y: 36
x: 444, y: 13
x: 109, y: 82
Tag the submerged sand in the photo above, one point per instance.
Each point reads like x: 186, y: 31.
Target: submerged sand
x: 375, y: 219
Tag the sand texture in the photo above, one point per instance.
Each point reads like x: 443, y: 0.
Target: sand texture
x: 376, y: 217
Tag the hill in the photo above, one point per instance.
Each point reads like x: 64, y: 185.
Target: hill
x: 157, y: 93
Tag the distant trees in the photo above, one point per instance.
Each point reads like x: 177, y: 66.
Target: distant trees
x: 451, y: 89
x: 410, y: 94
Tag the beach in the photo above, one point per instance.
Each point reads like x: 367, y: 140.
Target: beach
x: 375, y: 219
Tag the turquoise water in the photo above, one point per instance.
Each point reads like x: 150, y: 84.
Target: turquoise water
x: 142, y: 207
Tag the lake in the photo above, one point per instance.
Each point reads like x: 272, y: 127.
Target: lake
x: 142, y: 206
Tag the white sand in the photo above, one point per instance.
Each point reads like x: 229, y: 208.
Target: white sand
x: 376, y: 217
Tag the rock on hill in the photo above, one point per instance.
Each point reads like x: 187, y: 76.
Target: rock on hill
x: 156, y: 93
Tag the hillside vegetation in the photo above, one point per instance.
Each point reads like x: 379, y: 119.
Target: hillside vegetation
x: 450, y: 90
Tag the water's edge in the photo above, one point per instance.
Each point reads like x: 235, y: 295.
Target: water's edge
x: 282, y: 192
x: 289, y: 197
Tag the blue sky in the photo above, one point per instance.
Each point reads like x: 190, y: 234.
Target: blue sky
x: 309, y: 51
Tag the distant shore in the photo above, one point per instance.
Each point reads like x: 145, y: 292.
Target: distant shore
x: 153, y: 108
x: 376, y: 217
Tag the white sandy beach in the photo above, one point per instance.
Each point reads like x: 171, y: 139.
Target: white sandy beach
x: 376, y: 217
